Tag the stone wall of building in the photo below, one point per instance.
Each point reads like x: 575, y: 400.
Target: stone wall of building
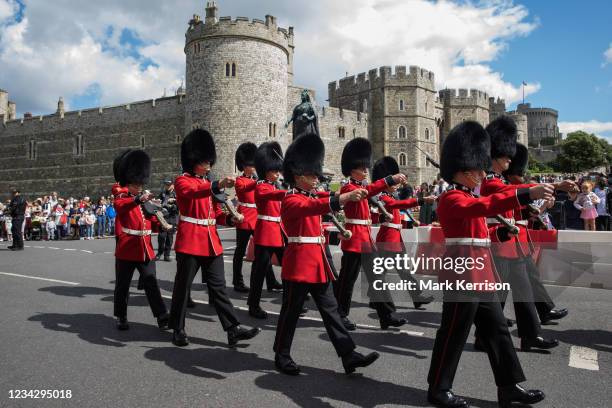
x: 541, y: 123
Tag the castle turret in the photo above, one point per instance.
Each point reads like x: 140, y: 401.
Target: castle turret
x: 211, y: 13
x: 4, y: 105
x: 60, y: 107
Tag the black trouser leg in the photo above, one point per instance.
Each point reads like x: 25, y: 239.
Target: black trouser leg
x: 161, y: 242
x: 543, y: 302
x: 294, y: 294
x: 330, y: 261
x: 124, y: 270
x: 350, y: 265
x: 270, y: 277
x: 262, y: 264
x: 213, y: 271
x: 16, y: 231
x: 151, y: 287
x: 383, y: 304
x: 186, y: 268
x: 242, y: 241
x: 404, y: 275
x: 168, y: 243
x: 323, y: 297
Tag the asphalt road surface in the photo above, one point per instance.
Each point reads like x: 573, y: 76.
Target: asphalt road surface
x: 58, y: 333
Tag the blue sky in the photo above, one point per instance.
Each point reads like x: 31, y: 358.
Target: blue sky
x: 115, y: 52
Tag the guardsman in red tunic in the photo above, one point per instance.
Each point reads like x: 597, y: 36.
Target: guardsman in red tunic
x: 245, y: 192
x: 268, y: 238
x: 462, y: 215
x: 116, y: 189
x: 305, y: 267
x: 357, y: 252
x: 134, y: 249
x: 197, y: 241
x: 389, y: 238
x: 543, y: 302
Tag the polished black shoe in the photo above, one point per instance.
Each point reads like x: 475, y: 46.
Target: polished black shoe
x: 258, y: 313
x: 162, y: 321
x: 419, y: 301
x: 515, y: 393
x: 354, y: 360
x: 539, y: 343
x: 446, y: 399
x: 158, y: 257
x: 238, y: 333
x: 190, y: 303
x: 122, y: 323
x: 179, y: 338
x: 275, y: 287
x: 167, y: 259
x: 391, y: 321
x: 348, y: 325
x: 509, y: 322
x: 286, y: 365
x: 554, y: 315
x: 11, y: 247
x: 241, y: 288
x: 16, y: 248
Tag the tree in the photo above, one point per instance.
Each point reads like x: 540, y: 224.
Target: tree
x: 582, y: 151
x: 535, y: 166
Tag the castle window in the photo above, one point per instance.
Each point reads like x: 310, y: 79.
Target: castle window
x: 196, y: 47
x: 426, y: 134
x: 272, y: 129
x: 142, y: 142
x: 178, y: 138
x: 402, y: 159
x: 227, y: 69
x: 78, y: 148
x: 233, y: 69
x: 401, y: 104
x: 32, y: 150
x: 401, y: 132
x: 341, y: 132
x: 426, y: 108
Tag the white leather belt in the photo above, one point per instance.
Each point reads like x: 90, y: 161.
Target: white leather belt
x: 391, y: 225
x: 248, y: 205
x: 306, y: 240
x: 268, y: 218
x: 197, y: 221
x: 357, y: 221
x: 483, y: 242
x: 522, y: 222
x: 496, y: 221
x: 138, y: 233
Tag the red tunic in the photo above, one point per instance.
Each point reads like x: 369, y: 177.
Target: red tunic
x: 115, y: 191
x: 130, y: 247
x: 268, y: 199
x: 462, y: 215
x: 245, y: 191
x: 194, y: 200
x: 361, y: 240
x: 305, y: 262
x: 392, y: 237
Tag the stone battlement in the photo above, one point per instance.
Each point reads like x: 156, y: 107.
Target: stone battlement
x: 459, y: 97
x: 330, y: 114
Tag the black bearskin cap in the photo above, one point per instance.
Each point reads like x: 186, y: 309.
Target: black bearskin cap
x: 135, y: 168
x: 356, y: 153
x: 304, y: 156
x: 519, y: 161
x: 503, y: 134
x: 385, y: 166
x: 245, y: 155
x: 467, y: 147
x: 197, y: 147
x: 268, y: 157
x: 117, y: 163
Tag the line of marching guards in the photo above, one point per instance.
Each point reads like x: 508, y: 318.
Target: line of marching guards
x: 286, y: 223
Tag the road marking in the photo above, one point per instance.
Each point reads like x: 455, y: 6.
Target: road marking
x: 232, y: 247
x: 69, y: 249
x: 37, y: 246
x: 52, y: 247
x: 84, y: 250
x: 583, y: 357
x: 39, y: 278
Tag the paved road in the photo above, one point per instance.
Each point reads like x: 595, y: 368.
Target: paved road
x: 58, y: 333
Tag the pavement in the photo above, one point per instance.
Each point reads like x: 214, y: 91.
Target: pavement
x: 58, y: 333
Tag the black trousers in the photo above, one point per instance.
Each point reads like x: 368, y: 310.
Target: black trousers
x: 242, y: 242
x: 213, y: 272
x: 543, y: 302
x: 330, y: 261
x: 17, y: 224
x: 124, y: 271
x: 164, y: 242
x: 404, y: 274
x: 351, y: 264
x: 602, y: 223
x: 261, y: 269
x: 457, y: 318
x: 514, y: 271
x: 294, y: 294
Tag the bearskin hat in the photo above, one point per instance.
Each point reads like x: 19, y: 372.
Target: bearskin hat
x: 304, y: 156
x: 117, y: 163
x: 135, y: 168
x: 268, y: 157
x: 467, y: 147
x: 385, y: 166
x: 519, y: 161
x: 356, y: 153
x: 245, y: 155
x: 503, y: 134
x: 197, y: 147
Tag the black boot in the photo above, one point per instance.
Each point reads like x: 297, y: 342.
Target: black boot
x: 515, y: 393
x: 158, y: 257
x: 539, y: 343
x: 122, y: 323
x: 348, y: 325
x: 275, y: 287
x: 354, y: 360
x: 140, y: 284
x: 258, y: 313
x: 162, y: 321
x: 421, y: 300
x: 167, y: 258
x: 240, y: 287
x: 286, y: 365
x: 237, y: 333
x: 190, y: 303
x: 392, y: 321
x: 179, y: 338
x: 554, y: 315
x: 446, y: 399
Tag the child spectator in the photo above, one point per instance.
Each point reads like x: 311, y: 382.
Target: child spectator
x: 586, y: 202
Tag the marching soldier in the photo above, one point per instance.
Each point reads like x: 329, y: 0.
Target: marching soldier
x: 357, y: 251
x: 117, y: 189
x: 134, y: 249
x: 464, y: 159
x: 165, y: 237
x: 268, y: 239
x: 17, y: 208
x: 197, y: 241
x: 390, y: 233
x: 305, y: 267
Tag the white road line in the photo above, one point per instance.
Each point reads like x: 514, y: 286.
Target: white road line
x: 69, y: 249
x: 583, y: 357
x: 39, y: 278
x: 232, y: 247
x: 84, y: 250
x: 52, y: 247
x: 37, y: 246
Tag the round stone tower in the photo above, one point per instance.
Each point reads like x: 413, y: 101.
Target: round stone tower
x: 236, y: 81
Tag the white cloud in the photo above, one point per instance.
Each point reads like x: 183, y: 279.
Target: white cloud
x: 7, y: 9
x: 600, y: 129
x: 607, y: 56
